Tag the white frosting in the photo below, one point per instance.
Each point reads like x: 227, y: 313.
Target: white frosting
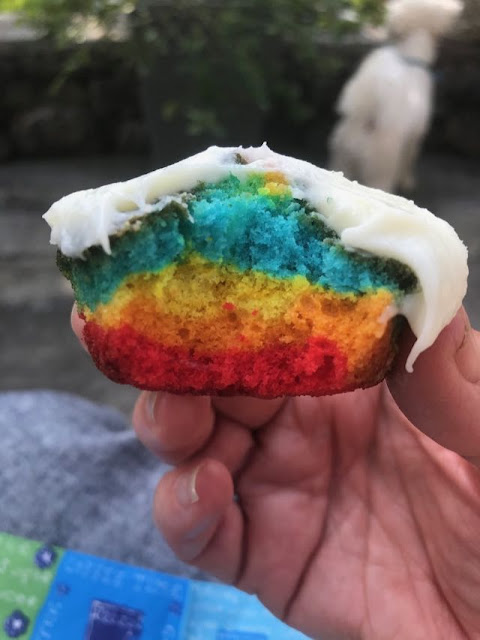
x: 365, y: 219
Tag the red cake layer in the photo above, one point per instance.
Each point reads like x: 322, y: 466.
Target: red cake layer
x: 315, y: 368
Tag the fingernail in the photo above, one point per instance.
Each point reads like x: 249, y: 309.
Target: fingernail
x: 150, y: 406
x: 185, y: 488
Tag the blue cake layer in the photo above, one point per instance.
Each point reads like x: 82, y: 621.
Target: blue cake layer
x: 235, y: 223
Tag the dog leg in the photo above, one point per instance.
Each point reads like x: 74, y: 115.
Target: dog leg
x: 382, y: 160
x: 341, y: 156
x: 407, y: 181
x: 346, y: 146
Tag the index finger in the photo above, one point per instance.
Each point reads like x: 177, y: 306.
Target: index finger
x: 177, y: 427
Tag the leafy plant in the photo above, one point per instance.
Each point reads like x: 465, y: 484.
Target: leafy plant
x: 61, y: 19
x: 11, y: 5
x: 225, y: 51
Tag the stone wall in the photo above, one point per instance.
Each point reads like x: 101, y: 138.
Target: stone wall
x: 98, y: 109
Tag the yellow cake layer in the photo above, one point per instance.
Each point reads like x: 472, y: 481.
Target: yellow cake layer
x: 211, y: 307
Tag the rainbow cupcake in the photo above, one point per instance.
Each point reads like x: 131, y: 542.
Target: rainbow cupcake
x: 229, y: 273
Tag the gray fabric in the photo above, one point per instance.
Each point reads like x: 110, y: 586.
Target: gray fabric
x: 72, y: 473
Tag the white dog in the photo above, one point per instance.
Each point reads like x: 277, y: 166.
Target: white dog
x: 386, y: 107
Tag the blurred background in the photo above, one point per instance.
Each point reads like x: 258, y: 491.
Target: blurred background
x: 95, y: 91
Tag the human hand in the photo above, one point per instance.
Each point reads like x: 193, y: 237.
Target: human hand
x: 347, y: 521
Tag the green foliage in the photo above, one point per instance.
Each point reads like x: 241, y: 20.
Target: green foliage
x: 249, y: 51
x: 288, y: 19
x: 12, y: 5
x: 225, y: 51
x: 64, y: 20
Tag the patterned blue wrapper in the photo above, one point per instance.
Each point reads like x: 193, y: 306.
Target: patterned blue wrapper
x: 82, y: 597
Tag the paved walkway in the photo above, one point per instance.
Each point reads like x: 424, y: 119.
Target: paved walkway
x: 37, y: 349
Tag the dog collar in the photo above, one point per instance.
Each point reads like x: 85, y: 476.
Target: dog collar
x: 415, y: 62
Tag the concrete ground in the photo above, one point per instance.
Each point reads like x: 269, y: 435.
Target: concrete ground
x: 37, y: 349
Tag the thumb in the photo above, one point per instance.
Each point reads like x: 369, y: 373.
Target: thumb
x: 442, y: 395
